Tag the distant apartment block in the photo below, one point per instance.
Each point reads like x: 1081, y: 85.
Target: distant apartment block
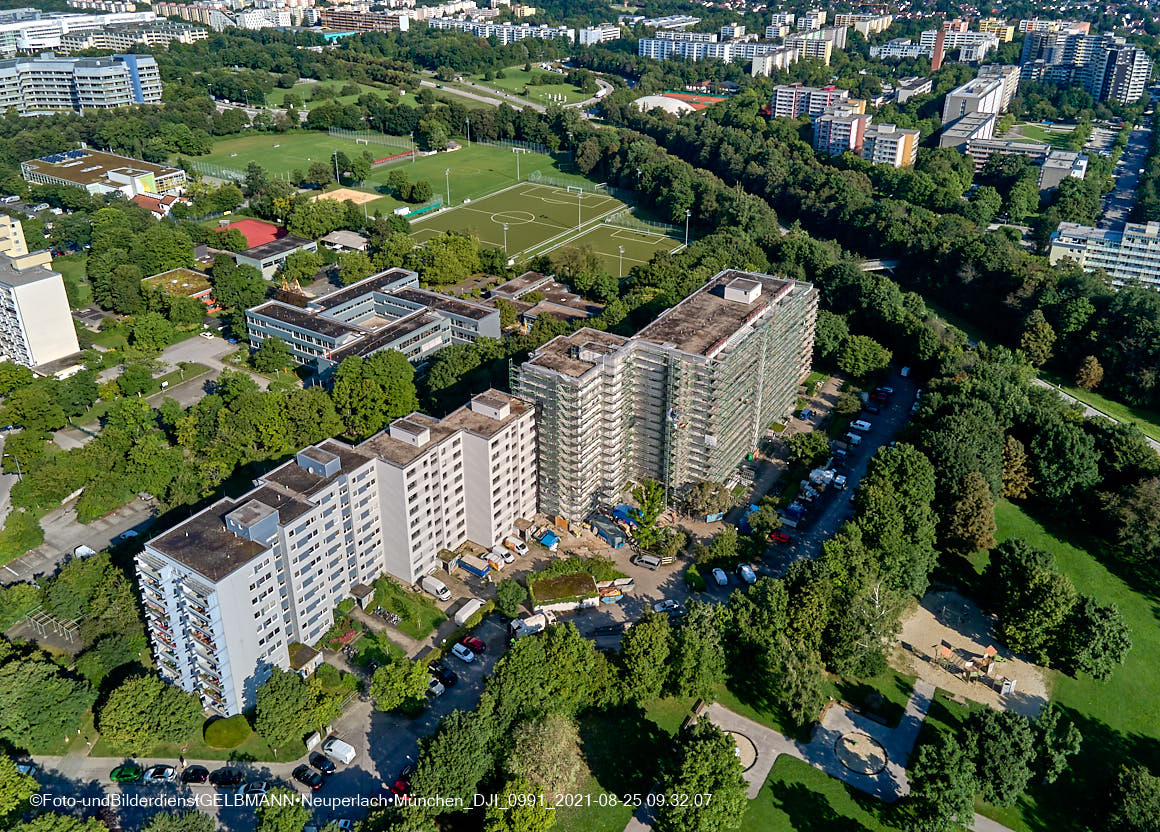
x: 504, y: 33
x: 249, y: 584
x: 352, y: 21
x: 592, y: 35
x: 908, y: 88
x: 683, y: 400
x: 672, y: 21
x: 1009, y: 75
x: 1054, y: 165
x: 814, y: 19
x: 127, y: 36
x: 31, y: 30
x: 103, y: 173
x: 972, y: 46
x: 386, y: 311
x: 1034, y: 24
x: 969, y: 127
x: 899, y: 48
x: 866, y: 24
x: 1129, y: 254
x: 1105, y: 65
x: 840, y: 130
x: 49, y: 84
x: 980, y: 95
x: 794, y: 100
x: 888, y: 144
x: 1119, y: 73
x: 1001, y: 29
x: 103, y: 5
x: 36, y: 325
x: 782, y: 19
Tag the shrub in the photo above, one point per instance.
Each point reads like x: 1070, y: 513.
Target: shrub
x: 693, y: 578
x: 227, y: 733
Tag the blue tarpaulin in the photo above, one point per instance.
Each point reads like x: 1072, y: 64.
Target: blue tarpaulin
x: 549, y: 539
x: 627, y: 513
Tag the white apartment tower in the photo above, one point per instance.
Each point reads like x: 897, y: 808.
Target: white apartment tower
x: 250, y: 584
x: 681, y: 401
x: 36, y: 325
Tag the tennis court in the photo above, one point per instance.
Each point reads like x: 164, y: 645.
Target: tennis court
x: 608, y: 239
x: 528, y: 217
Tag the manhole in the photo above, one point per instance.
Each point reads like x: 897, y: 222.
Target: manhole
x: 860, y: 753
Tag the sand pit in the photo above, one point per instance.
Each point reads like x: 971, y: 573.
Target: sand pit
x: 343, y: 194
x: 948, y: 619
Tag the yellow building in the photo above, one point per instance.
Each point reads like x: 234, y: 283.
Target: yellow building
x: 1001, y: 29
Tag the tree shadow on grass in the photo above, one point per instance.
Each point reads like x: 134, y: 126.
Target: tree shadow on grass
x: 811, y: 811
x: 623, y: 747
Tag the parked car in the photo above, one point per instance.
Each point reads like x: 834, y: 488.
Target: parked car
x: 255, y: 788
x: 860, y: 425
x: 308, y: 777
x: 778, y: 536
x: 462, y: 653
x: 746, y: 573
x: 322, y: 763
x: 840, y: 482
x: 435, y: 687
x: 123, y: 536
x: 503, y: 553
x: 127, y: 773
x: 336, y: 749
x: 720, y: 577
x: 881, y: 398
x: 227, y: 778
x: 805, y: 414
x: 443, y: 673
x: 886, y: 391
x: 872, y: 408
x: 195, y: 774
x: 669, y: 606
x: 25, y: 767
x: 514, y: 544
x: 473, y: 644
x: 159, y: 775
x: 401, y: 788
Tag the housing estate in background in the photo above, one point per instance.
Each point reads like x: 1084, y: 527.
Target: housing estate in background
x: 779, y: 50
x: 103, y: 173
x: 1127, y: 254
x: 248, y: 584
x: 126, y: 36
x: 683, y: 400
x: 386, y: 311
x: 36, y: 326
x: 29, y: 30
x: 48, y: 84
x: 1105, y: 65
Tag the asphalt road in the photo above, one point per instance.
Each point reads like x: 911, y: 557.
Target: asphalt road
x: 1120, y: 201
x: 1088, y: 410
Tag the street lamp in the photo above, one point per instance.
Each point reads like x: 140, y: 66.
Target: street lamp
x: 687, y: 214
x: 338, y: 179
x: 621, y: 268
x: 505, y: 228
x: 468, y: 131
x: 19, y: 475
x: 412, y: 147
x: 579, y: 213
x: 447, y: 179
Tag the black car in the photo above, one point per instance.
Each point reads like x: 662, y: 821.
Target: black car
x: 307, y: 776
x: 322, y: 763
x: 227, y: 777
x: 195, y: 774
x: 443, y: 673
x: 871, y: 408
x: 405, y: 774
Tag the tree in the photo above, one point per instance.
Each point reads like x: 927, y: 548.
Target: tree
x: 705, y: 763
x: 698, y: 658
x: 16, y: 789
x: 151, y: 332
x: 318, y: 175
x: 1037, y: 339
x: 801, y: 690
x: 1032, y: 598
x: 236, y: 287
x: 519, y: 807
x: 281, y: 811
x: 39, y: 702
x: 272, y: 355
x: 509, y: 596
x: 288, y: 708
x: 191, y: 821
x: 644, y: 656
x: 1004, y: 750
x: 706, y: 498
x: 134, y: 379
x: 369, y: 392
x: 401, y: 683
x: 227, y: 239
x: 1135, y: 514
x: 942, y: 786
x: 1089, y: 374
x: 1064, y: 460
x: 546, y: 750
x: 301, y: 266
x: 52, y: 822
x: 143, y: 711
x: 354, y: 266
x: 860, y: 356
x: 830, y: 333
x: 650, y: 497
x: 1057, y: 739
x: 1135, y: 801
x: 1094, y: 638
x: 809, y: 448
x: 454, y: 759
x: 970, y: 525
x: 1017, y: 480
x: 256, y: 181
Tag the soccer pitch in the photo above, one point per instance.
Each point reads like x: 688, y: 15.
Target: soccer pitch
x: 619, y: 249
x: 537, y: 217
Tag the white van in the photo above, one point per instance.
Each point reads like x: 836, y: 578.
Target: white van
x: 436, y: 587
x: 8, y: 200
x: 503, y: 554
x: 340, y: 751
x: 464, y: 613
x: 514, y: 544
x: 860, y: 425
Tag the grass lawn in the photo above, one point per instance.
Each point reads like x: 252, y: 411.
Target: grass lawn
x: 195, y: 748
x: 375, y: 648
x: 516, y: 83
x: 419, y: 615
x: 799, y: 797
x: 304, y: 92
x: 72, y: 269
x: 883, y: 696
x: 619, y: 249
x: 1146, y: 419
x: 1120, y: 717
x: 1036, y: 133
x: 101, y: 407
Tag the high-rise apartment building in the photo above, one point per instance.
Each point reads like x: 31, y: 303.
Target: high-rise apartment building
x: 1131, y: 253
x: 1009, y: 75
x: 867, y: 24
x: 1001, y: 29
x: 1105, y: 65
x: 31, y: 30
x: 793, y: 100
x: 683, y: 400
x: 251, y: 583
x: 979, y: 95
x: 1119, y: 73
x: 603, y: 33
x: 48, y: 84
x: 36, y: 325
x: 840, y: 130
x: 888, y: 144
x: 356, y: 21
x: 125, y: 37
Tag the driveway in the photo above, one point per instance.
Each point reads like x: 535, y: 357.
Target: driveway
x: 1123, y: 198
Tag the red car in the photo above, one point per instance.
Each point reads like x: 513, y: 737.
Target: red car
x: 473, y: 644
x: 779, y: 537
x: 401, y: 788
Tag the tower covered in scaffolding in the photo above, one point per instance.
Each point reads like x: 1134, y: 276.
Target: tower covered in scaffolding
x: 684, y: 400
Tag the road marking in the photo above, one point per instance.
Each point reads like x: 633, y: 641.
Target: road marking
x: 13, y: 571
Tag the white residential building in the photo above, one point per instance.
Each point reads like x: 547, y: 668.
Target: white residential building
x: 249, y: 584
x: 793, y: 100
x: 839, y: 130
x: 979, y: 95
x: 901, y: 48
x: 30, y: 30
x: 1009, y: 75
x: 504, y: 33
x: 36, y: 325
x: 972, y: 46
x: 814, y: 19
x: 888, y: 144
x: 603, y: 33
x: 1128, y: 254
x: 48, y: 84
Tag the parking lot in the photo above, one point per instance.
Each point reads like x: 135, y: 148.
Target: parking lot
x: 1118, y: 204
